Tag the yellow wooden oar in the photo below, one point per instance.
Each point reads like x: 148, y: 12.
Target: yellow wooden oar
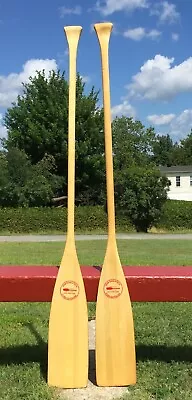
x: 68, y: 324
x: 115, y: 344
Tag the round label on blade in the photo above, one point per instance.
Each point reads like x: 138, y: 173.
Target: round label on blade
x: 69, y: 290
x: 113, y: 288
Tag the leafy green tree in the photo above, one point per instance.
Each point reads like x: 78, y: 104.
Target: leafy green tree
x: 23, y: 184
x: 13, y: 167
x: 3, y: 176
x: 90, y: 161
x: 183, y: 151
x: 168, y: 153
x: 38, y: 124
x: 132, y: 142
x: 140, y: 190
x: 163, y: 149
x: 141, y: 193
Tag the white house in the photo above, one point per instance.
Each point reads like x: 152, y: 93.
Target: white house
x: 181, y: 182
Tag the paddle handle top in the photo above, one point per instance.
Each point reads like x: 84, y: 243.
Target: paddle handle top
x: 73, y: 34
x: 103, y: 30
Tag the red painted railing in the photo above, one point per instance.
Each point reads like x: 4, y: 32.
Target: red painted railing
x: 36, y: 283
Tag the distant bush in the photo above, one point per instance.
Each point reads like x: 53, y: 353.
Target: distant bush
x: 28, y: 220
x: 176, y: 214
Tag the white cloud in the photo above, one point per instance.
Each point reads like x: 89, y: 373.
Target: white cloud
x: 162, y: 119
x: 181, y: 125
x: 175, y: 37
x: 11, y: 85
x: 77, y: 10
x: 159, y: 80
x: 166, y: 12
x: 169, y: 12
x: 141, y: 33
x: 178, y: 126
x: 135, y: 34
x: 123, y: 109
x: 3, y: 130
x: 154, y: 34
x: 85, y: 78
x: 108, y: 7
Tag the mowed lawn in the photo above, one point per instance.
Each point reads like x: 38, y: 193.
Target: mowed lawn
x: 163, y: 331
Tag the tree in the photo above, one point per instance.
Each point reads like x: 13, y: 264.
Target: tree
x: 132, y: 143
x: 141, y: 193
x: 167, y: 153
x: 37, y: 123
x: 90, y: 161
x: 23, y: 184
x: 183, y: 151
x: 140, y: 190
x: 3, y: 175
x: 163, y: 149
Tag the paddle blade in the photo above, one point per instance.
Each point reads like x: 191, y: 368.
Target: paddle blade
x: 115, y: 344
x: 68, y: 327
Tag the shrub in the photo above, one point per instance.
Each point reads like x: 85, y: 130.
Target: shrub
x: 176, y: 214
x: 28, y: 220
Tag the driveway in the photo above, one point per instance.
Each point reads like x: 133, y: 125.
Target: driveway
x: 61, y: 238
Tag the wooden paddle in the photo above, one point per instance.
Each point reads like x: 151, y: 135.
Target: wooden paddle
x: 68, y: 324
x: 115, y: 345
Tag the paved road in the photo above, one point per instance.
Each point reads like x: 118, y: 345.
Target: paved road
x: 61, y: 238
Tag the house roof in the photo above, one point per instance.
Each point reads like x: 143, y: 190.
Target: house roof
x: 176, y: 169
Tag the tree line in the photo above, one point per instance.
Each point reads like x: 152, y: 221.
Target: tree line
x: 33, y: 160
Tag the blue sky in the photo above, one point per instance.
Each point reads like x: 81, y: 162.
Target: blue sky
x: 150, y: 54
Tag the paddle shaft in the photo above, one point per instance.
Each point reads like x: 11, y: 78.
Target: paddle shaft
x: 72, y: 35
x: 103, y: 34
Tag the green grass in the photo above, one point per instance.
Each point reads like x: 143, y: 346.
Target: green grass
x: 163, y: 331
x: 164, y: 351
x: 23, y: 337
x: 132, y: 252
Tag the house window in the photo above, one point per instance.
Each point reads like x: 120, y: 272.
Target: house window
x: 178, y: 183
x: 191, y: 180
